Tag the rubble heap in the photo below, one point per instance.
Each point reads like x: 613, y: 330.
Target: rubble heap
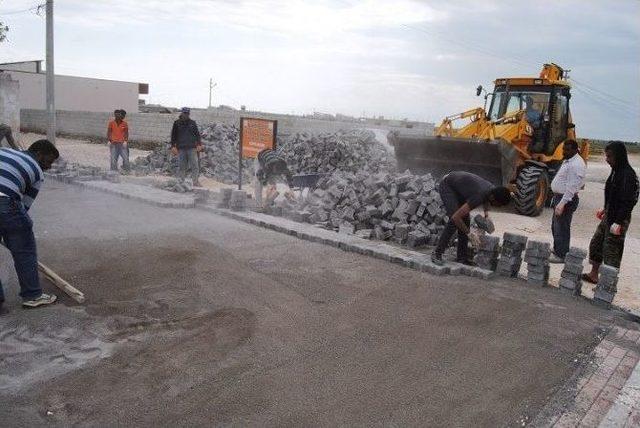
x: 402, y: 207
x: 571, y: 276
x: 348, y: 150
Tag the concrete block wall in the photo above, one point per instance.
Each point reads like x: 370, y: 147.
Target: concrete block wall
x: 156, y: 127
x: 9, y: 103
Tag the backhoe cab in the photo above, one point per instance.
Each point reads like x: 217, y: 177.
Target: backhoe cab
x: 516, y: 142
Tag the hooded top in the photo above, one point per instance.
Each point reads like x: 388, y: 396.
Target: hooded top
x: 621, y: 189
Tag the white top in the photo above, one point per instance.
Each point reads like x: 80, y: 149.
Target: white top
x: 570, y: 178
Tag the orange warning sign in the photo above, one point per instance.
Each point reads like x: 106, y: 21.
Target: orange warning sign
x: 256, y: 135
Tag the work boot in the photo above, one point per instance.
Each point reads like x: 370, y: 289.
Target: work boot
x: 436, y: 259
x: 466, y: 261
x: 41, y: 300
x: 555, y: 259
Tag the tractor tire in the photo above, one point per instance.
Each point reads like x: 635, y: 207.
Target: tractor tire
x: 532, y: 190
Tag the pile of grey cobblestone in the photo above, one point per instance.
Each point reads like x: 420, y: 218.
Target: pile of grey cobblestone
x: 218, y: 160
x: 350, y: 151
x: 347, y: 151
x: 401, y: 207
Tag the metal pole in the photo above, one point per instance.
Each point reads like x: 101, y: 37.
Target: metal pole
x: 51, y: 104
x: 210, y: 88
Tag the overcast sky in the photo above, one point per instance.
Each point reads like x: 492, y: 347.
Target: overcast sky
x: 398, y: 58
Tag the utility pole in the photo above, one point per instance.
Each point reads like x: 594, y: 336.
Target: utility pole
x: 51, y: 101
x: 211, y: 86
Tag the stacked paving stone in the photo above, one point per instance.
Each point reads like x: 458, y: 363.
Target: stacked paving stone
x: 607, y: 284
x: 238, y: 200
x: 348, y: 151
x: 224, y: 198
x: 402, y: 207
x: 511, y: 254
x: 64, y: 171
x: 487, y: 256
x: 537, y: 259
x: 571, y: 276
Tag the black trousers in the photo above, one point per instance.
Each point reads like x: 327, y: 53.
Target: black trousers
x: 452, y: 203
x: 561, y: 225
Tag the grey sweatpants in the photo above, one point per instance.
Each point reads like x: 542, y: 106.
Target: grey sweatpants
x: 188, y: 160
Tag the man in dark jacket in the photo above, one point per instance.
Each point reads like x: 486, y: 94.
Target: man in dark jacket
x: 620, y: 196
x: 186, y: 143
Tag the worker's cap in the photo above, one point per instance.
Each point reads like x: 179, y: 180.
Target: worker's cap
x: 186, y: 110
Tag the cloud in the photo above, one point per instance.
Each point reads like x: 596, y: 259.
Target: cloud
x: 415, y: 59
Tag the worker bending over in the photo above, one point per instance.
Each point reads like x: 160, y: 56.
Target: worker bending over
x: 462, y: 192
x: 272, y: 169
x: 21, y: 175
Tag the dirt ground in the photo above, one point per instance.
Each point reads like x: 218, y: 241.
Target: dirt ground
x: 539, y: 228
x: 193, y: 319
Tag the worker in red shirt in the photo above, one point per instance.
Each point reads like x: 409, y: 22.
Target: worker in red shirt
x: 118, y: 136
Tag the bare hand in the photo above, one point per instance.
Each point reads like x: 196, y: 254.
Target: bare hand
x: 559, y: 209
x: 174, y: 150
x: 600, y: 214
x: 616, y: 229
x: 474, y: 239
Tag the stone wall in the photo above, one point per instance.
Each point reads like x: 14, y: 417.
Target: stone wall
x: 9, y: 103
x: 156, y: 127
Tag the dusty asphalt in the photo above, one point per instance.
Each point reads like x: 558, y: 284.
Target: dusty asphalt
x: 192, y: 319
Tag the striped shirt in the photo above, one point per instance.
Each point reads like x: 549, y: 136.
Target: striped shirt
x: 20, y: 176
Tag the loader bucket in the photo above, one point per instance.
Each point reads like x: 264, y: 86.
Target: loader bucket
x: 493, y: 160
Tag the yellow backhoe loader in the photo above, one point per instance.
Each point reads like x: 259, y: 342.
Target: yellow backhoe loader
x: 517, y: 142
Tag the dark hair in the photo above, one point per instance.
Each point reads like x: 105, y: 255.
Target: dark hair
x: 44, y: 147
x: 501, y: 195
x: 123, y: 113
x: 573, y: 143
x: 619, y: 152
x: 116, y: 111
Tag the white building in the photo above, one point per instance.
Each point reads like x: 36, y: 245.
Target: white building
x: 73, y: 93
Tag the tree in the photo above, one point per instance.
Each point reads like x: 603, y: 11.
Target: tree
x: 3, y: 32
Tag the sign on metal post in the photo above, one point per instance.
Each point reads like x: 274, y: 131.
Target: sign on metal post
x: 255, y: 136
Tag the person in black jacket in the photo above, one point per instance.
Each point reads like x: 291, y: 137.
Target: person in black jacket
x: 620, y: 196
x: 186, y: 143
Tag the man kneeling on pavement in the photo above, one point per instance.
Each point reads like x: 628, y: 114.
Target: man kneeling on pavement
x: 21, y: 177
x: 462, y: 192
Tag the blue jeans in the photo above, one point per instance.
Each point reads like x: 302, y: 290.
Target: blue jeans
x: 16, y: 231
x: 119, y: 150
x: 561, y: 226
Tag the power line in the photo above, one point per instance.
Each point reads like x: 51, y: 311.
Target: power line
x: 37, y: 9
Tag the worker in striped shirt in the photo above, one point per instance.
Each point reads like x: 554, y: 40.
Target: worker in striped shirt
x: 20, y: 179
